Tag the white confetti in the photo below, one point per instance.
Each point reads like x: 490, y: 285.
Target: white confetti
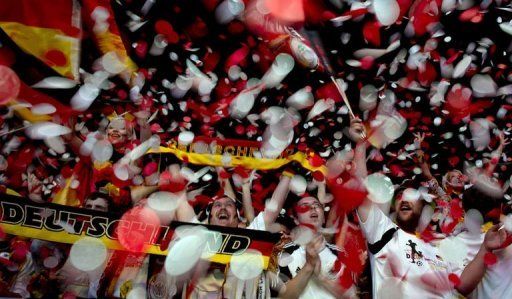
x: 247, y: 264
x: 88, y: 254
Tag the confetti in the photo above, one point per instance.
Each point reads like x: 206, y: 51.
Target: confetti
x: 87, y: 254
x: 380, y: 188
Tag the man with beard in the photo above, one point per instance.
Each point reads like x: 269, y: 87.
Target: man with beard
x: 405, y: 265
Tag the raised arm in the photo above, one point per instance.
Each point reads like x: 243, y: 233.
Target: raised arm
x: 225, y: 183
x: 144, y: 128
x: 433, y: 184
x: 362, y: 172
x: 73, y: 141
x: 273, y: 208
x: 247, y: 199
x: 321, y: 191
x: 475, y: 270
x: 495, y: 156
x: 425, y: 167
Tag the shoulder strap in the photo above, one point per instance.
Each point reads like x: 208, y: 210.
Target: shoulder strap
x: 386, y: 237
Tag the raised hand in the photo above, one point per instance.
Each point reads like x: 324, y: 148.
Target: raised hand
x: 418, y: 139
x: 356, y: 131
x: 495, y: 238
x: 313, y: 250
x: 504, y: 140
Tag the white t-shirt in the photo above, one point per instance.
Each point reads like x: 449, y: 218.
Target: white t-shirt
x: 295, y: 257
x: 497, y: 280
x: 403, y: 266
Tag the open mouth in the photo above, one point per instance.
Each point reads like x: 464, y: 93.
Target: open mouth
x: 223, y: 216
x: 405, y: 207
x: 313, y: 216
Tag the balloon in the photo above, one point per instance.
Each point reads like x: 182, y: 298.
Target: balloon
x: 9, y: 84
x: 88, y: 254
x: 102, y: 151
x: 386, y: 11
x: 55, y: 83
x: 380, y: 188
x: 247, y: 264
x: 298, y: 185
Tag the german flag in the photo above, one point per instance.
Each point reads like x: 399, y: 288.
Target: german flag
x: 49, y: 31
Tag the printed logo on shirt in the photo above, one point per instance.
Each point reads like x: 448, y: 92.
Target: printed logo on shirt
x: 436, y: 264
x: 412, y: 253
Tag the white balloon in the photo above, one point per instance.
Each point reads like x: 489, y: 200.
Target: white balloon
x: 368, y: 97
x: 473, y: 221
x: 143, y: 148
x: 228, y: 10
x: 242, y: 104
x: 506, y: 27
x: 163, y: 201
x: 102, y: 151
x: 84, y: 97
x: 483, y: 86
x: 280, y: 68
x: 277, y: 137
x: 302, y: 235
x: 43, y: 130
x: 320, y: 107
x: 508, y: 223
x: 185, y: 252
x: 426, y: 216
x: 112, y: 63
x: 87, y: 146
x: 246, y: 264
x: 51, y: 262
x: 121, y: 171
x: 88, y: 254
x: 298, y: 185
x: 461, y: 67
x: 411, y: 194
x: 272, y: 114
x: 380, y: 188
x: 480, y: 133
x: 186, y: 138
x: 301, y: 99
x: 43, y: 109
x: 55, y: 83
x: 56, y: 143
x: 386, y: 11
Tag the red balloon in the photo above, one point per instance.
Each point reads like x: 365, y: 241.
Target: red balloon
x: 135, y: 231
x: 9, y: 84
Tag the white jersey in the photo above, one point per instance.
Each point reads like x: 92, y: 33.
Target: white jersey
x: 403, y: 265
x: 497, y: 280
x: 295, y: 257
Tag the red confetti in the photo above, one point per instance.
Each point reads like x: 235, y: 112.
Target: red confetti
x: 490, y: 259
x: 318, y: 176
x: 371, y: 32
x: 454, y: 279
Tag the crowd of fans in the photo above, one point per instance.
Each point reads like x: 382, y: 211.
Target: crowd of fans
x: 388, y: 204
